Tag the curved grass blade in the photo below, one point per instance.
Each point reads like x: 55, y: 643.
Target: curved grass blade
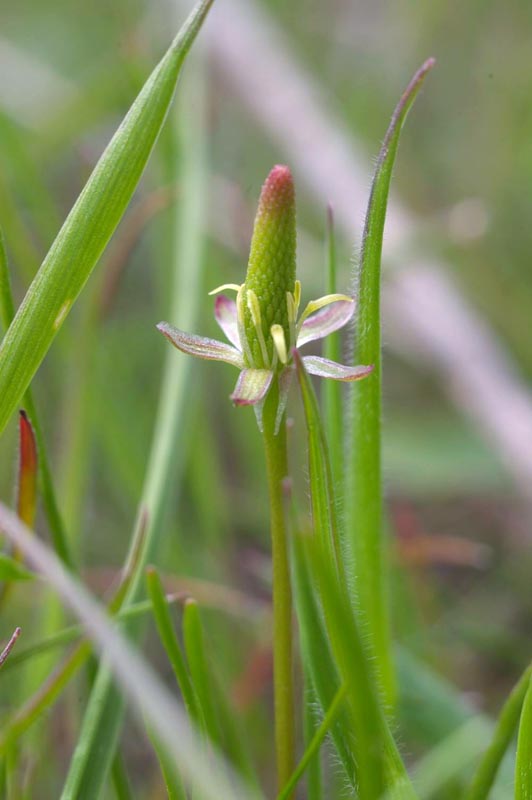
x: 90, y: 224
x: 523, y: 764
x: 105, y: 710
x: 505, y: 728
x: 149, y: 697
x: 363, y: 490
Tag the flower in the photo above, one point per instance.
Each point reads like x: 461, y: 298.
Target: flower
x: 262, y: 323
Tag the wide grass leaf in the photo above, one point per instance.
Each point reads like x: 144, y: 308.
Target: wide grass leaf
x: 90, y: 224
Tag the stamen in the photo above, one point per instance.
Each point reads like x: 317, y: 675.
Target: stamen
x: 292, y: 316
x: 297, y: 295
x: 279, y: 341
x: 315, y: 305
x: 241, y: 327
x: 233, y: 286
x: 254, y: 310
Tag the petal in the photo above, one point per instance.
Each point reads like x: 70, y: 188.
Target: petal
x: 285, y: 381
x: 200, y: 346
x: 225, y: 315
x: 325, y: 320
x: 251, y: 386
x: 330, y: 369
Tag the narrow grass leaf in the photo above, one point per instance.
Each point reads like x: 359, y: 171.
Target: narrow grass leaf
x: 167, y: 634
x: 315, y: 744
x: 503, y: 735
x: 363, y: 490
x: 316, y: 655
x: 7, y: 309
x: 523, y: 764
x: 148, y: 696
x: 220, y: 720
x: 311, y: 717
x: 321, y: 485
x: 104, y: 714
x: 332, y: 398
x: 90, y: 224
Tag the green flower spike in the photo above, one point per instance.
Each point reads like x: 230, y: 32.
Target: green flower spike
x: 263, y: 324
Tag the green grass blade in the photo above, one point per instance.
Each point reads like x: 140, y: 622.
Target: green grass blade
x: 321, y: 484
x: 332, y: 390
x: 310, y: 720
x: 72, y: 633
x: 363, y: 490
x: 149, y: 697
x: 379, y: 764
x: 90, y: 225
x: 167, y: 634
x: 7, y: 308
x: 221, y: 722
x: 199, y: 669
x: 316, y: 655
x: 315, y: 743
x: 505, y: 729
x: 105, y: 711
x: 523, y: 764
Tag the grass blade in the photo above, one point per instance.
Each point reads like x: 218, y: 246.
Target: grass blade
x: 363, y: 491
x: 220, y: 721
x: 506, y: 726
x: 55, y: 522
x: 315, y: 744
x: 148, y: 695
x: 379, y: 765
x: 7, y: 308
x: 90, y: 225
x: 316, y: 655
x: 165, y: 628
x: 104, y: 714
x: 332, y: 397
x: 523, y: 764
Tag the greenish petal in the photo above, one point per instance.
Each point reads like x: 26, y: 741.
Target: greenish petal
x: 252, y: 386
x: 200, y: 346
x: 330, y: 369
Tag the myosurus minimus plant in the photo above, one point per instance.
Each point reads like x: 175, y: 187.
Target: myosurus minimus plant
x: 335, y: 728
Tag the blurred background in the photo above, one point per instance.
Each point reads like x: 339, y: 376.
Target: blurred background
x: 310, y: 84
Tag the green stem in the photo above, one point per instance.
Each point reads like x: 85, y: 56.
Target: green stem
x: 504, y: 732
x: 276, y: 467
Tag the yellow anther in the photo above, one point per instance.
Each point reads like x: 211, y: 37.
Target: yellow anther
x: 254, y: 310
x: 279, y: 341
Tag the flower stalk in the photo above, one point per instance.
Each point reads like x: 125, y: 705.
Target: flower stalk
x: 283, y: 678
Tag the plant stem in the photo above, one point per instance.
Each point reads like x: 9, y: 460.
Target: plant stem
x: 276, y: 467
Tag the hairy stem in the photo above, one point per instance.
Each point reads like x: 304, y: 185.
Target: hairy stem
x: 276, y: 466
